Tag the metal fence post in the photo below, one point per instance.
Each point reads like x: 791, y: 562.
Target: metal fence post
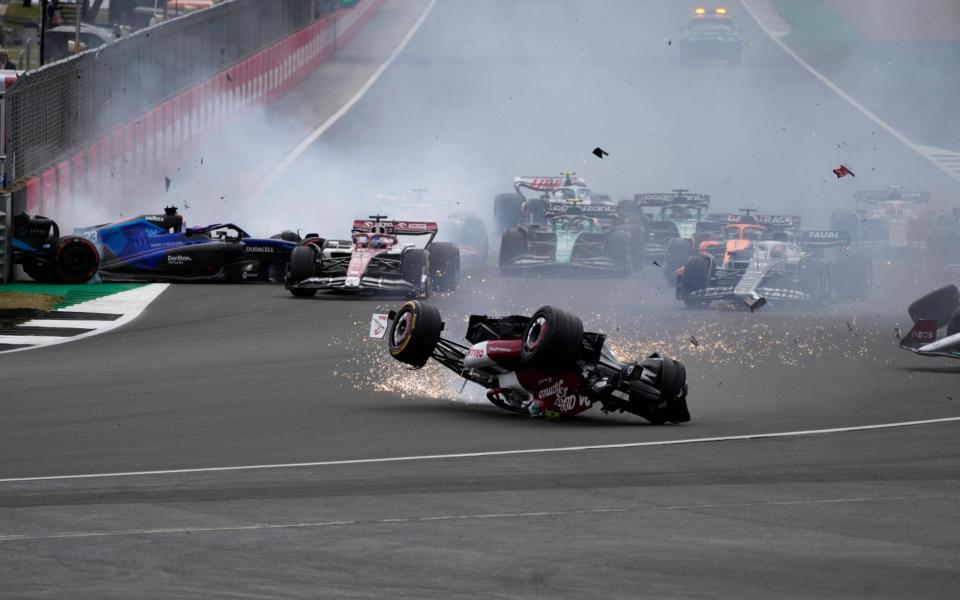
x: 6, y: 237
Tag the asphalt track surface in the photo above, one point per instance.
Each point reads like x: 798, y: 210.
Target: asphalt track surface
x: 225, y: 376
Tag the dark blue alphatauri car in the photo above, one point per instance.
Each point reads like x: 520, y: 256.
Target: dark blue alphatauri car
x: 160, y: 248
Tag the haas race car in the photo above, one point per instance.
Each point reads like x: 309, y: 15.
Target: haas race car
x: 765, y: 257
x: 545, y: 365
x: 376, y: 259
x: 160, y: 248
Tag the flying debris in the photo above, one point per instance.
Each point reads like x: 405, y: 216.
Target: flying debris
x: 694, y: 341
x: 600, y: 152
x: 166, y: 184
x: 842, y: 171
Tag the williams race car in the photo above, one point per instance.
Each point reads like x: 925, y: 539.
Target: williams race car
x: 756, y: 263
x: 160, y: 248
x: 375, y: 259
x: 938, y: 309
x: 710, y: 36
x: 46, y: 257
x: 542, y: 366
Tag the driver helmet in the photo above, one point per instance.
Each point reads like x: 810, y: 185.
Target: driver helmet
x: 378, y: 241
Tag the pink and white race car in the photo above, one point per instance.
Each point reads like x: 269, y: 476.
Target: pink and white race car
x: 379, y: 257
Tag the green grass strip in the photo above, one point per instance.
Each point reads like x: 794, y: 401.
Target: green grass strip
x: 72, y: 294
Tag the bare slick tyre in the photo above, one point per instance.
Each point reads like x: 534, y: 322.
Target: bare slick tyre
x: 551, y: 340
x: 414, y: 333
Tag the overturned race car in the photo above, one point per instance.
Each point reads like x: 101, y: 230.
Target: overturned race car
x: 940, y: 309
x: 375, y: 259
x: 545, y: 365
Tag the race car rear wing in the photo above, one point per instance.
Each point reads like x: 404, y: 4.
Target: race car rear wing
x: 596, y: 211
x: 672, y: 198
x: 547, y: 184
x: 876, y: 196
x: 372, y: 224
x: 773, y: 221
x: 824, y: 239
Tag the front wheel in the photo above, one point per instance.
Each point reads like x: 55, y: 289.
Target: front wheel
x: 444, y: 266
x: 413, y: 270
x: 678, y: 251
x: 414, y: 333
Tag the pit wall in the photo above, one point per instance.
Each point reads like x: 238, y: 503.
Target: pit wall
x: 134, y: 158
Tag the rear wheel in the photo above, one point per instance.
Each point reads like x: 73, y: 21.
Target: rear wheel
x: 619, y: 251
x: 696, y: 277
x: 444, y: 266
x: 678, y: 251
x: 287, y: 236
x: 512, y: 244
x: 75, y: 260
x: 846, y: 220
x: 413, y: 270
x: 551, y: 340
x: 303, y: 260
x: 939, y: 305
x: 507, y: 210
x: 414, y: 333
x: 814, y: 280
x: 638, y: 243
x: 535, y: 211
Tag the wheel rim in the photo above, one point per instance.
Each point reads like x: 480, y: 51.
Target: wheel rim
x: 536, y: 333
x: 401, y: 333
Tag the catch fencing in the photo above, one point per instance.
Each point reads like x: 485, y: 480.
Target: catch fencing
x: 99, y: 124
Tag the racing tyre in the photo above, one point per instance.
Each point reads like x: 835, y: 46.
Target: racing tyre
x: 638, y: 243
x: 512, y: 244
x: 696, y: 277
x: 444, y: 266
x: 953, y: 327
x: 551, y: 340
x: 814, y: 279
x: 535, y: 211
x: 414, y: 333
x: 662, y: 398
x: 620, y: 252
x: 74, y: 260
x: 679, y: 251
x: 507, y: 210
x: 302, y: 262
x: 853, y: 277
x: 940, y: 305
x: 413, y: 270
x: 40, y: 274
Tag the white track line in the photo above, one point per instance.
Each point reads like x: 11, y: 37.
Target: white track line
x: 364, y: 461
x: 300, y: 148
x: 836, y: 89
x: 130, y: 303
x: 259, y: 526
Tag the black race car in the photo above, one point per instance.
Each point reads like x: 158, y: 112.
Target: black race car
x: 545, y: 365
x: 160, y: 248
x: 710, y: 36
x: 49, y: 258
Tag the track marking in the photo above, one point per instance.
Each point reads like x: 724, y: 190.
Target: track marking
x: 812, y: 501
x: 305, y: 143
x: 261, y: 526
x: 918, y: 148
x: 129, y: 304
x: 364, y: 461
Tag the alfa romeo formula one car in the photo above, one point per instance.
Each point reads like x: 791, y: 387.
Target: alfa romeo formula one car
x: 710, y: 35
x: 376, y: 259
x: 49, y: 258
x: 754, y: 263
x: 160, y: 248
x: 938, y: 309
x: 545, y: 365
